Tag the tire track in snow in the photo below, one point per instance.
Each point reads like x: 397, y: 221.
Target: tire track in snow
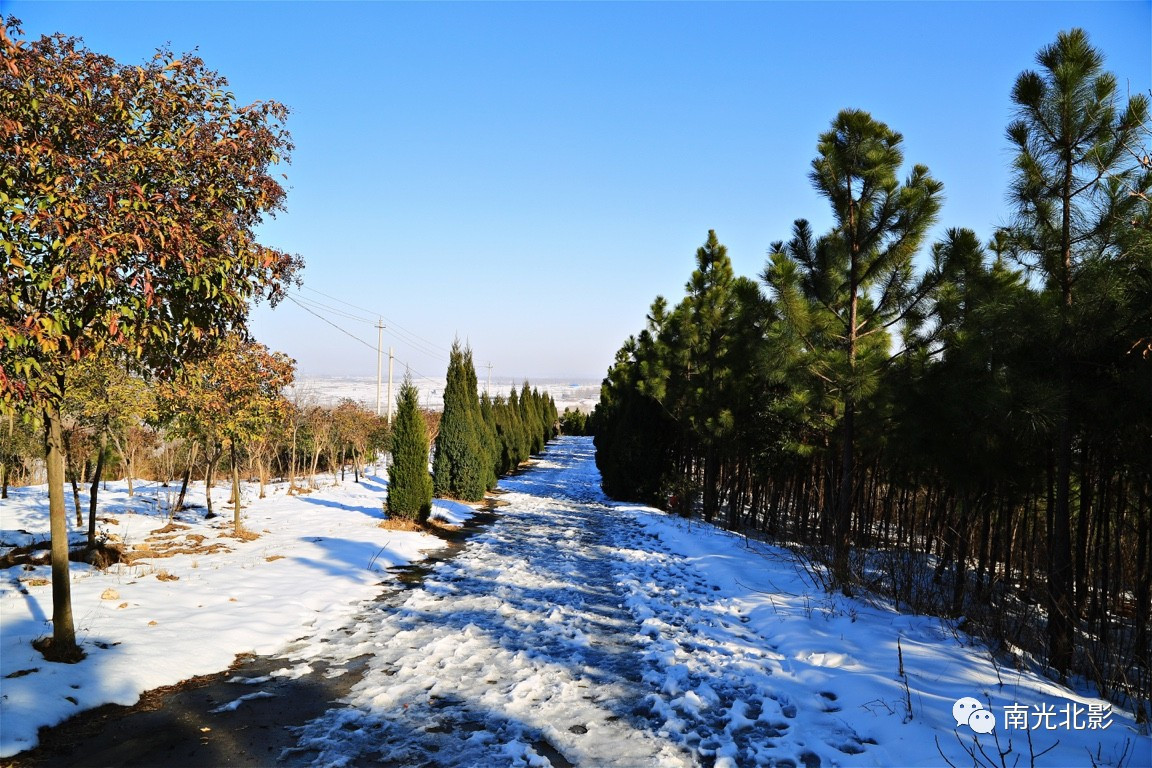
x: 563, y: 635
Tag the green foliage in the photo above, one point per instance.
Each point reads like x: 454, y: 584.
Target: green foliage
x: 463, y: 465
x: 694, y: 379
x: 992, y: 411
x: 122, y: 225
x: 1078, y: 186
x: 573, y: 422
x: 409, y: 482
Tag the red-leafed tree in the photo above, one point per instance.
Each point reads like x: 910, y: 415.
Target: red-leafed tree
x: 228, y: 401
x: 129, y: 198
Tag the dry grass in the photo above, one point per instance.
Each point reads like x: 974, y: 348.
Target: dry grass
x: 401, y: 524
x: 170, y: 528
x: 243, y: 534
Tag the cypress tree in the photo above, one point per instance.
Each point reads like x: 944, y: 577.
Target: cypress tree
x: 518, y: 429
x: 409, y: 483
x: 530, y: 413
x: 461, y: 466
x: 490, y: 439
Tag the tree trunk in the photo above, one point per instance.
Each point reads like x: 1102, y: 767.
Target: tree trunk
x: 5, y: 460
x: 213, y: 453
x: 235, y: 488
x: 262, y: 473
x: 711, y: 470
x: 1143, y: 607
x: 1061, y: 624
x: 71, y: 472
x: 843, y: 521
x: 93, y: 491
x: 292, y: 463
x: 187, y: 477
x: 63, y: 631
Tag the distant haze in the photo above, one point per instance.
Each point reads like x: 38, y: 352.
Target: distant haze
x: 582, y: 394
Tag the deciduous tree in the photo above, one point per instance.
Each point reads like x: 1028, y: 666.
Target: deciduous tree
x: 129, y: 198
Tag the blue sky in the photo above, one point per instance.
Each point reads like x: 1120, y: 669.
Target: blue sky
x: 529, y: 176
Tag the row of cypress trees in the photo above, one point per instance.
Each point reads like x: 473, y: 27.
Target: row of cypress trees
x: 479, y: 440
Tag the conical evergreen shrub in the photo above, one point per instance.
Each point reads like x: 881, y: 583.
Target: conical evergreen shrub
x: 462, y: 465
x: 409, y: 482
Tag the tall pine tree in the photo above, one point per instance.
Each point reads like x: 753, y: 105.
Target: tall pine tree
x: 859, y: 275
x: 1077, y: 183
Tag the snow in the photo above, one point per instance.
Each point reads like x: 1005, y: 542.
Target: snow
x: 580, y: 394
x: 573, y: 628
x: 318, y: 557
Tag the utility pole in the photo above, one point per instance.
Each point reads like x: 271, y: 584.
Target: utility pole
x: 379, y: 354
x: 488, y: 386
x: 389, y: 385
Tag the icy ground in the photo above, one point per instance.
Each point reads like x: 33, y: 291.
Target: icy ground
x: 573, y: 631
x: 577, y: 631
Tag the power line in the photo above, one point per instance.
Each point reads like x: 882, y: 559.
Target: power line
x: 391, y: 325
x: 326, y: 320
x: 351, y: 335
x: 333, y: 310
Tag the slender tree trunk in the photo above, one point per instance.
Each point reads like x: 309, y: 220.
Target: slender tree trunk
x: 94, y: 490
x: 292, y: 463
x: 235, y: 488
x: 5, y: 458
x: 128, y: 458
x: 841, y: 544
x: 1143, y: 608
x: 213, y: 452
x: 63, y: 631
x: 710, y: 480
x: 187, y: 478
x: 71, y: 473
x: 1061, y: 622
x: 262, y: 473
x: 960, y: 574
x: 315, y: 467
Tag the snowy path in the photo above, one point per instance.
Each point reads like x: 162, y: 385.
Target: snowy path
x: 566, y: 635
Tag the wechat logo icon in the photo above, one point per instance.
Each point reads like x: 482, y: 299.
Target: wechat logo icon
x: 970, y: 712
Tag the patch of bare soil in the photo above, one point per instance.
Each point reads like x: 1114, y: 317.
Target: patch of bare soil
x: 176, y: 726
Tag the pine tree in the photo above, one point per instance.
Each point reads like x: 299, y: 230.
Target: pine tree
x: 1077, y: 182
x: 409, y: 482
x: 857, y: 277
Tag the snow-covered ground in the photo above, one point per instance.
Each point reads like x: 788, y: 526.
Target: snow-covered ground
x: 161, y: 620
x: 581, y: 631
x: 581, y: 394
x: 573, y: 631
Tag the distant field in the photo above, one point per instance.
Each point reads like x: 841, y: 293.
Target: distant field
x: 328, y: 390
